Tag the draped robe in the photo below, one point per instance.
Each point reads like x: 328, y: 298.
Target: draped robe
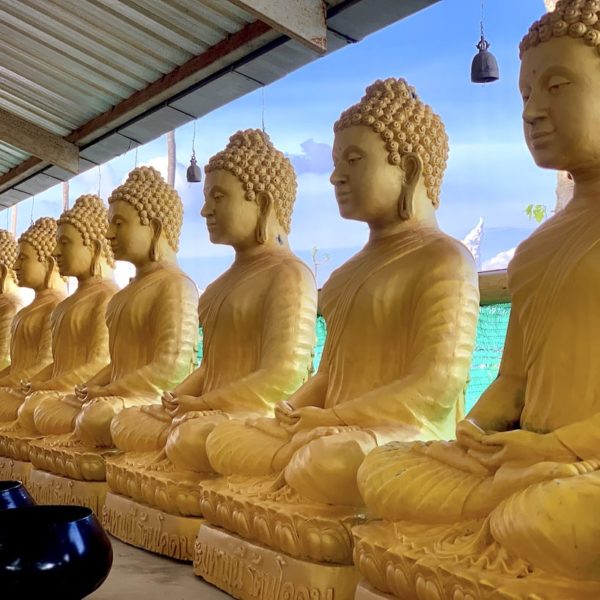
x: 545, y: 512
x: 259, y: 327
x: 153, y: 327
x: 10, y: 303
x: 79, y: 346
x: 401, y: 318
x: 30, y: 348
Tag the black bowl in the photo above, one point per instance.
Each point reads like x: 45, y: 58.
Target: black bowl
x: 13, y: 494
x: 52, y: 552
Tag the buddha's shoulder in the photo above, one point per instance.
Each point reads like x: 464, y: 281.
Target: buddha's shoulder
x: 174, y: 276
x: 289, y: 266
x: 443, y: 249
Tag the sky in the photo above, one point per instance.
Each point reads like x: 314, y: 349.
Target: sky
x: 490, y: 173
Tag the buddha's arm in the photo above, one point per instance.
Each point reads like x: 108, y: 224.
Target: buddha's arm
x: 313, y: 392
x: 175, y: 327
x: 582, y: 438
x: 500, y: 406
x: 6, y: 319
x: 43, y: 375
x: 101, y: 378
x: 192, y: 384
x: 443, y: 323
x: 285, y: 345
x: 4, y: 373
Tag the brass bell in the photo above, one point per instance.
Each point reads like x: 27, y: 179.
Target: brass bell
x: 193, y: 173
x: 484, y: 68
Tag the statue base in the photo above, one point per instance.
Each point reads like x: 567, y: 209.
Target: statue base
x: 407, y: 560
x: 66, y: 455
x: 249, y: 571
x: 48, y: 488
x: 15, y: 444
x: 150, y: 528
x: 365, y: 592
x: 271, y: 513
x: 15, y: 470
x: 156, y: 483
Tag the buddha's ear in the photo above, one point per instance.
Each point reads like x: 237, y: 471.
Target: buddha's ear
x: 265, y: 206
x: 95, y: 269
x: 412, y: 168
x: 157, y: 228
x: 50, y: 266
x: 3, y: 276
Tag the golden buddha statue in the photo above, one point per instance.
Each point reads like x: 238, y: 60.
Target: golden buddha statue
x: 152, y: 327
x: 31, y: 340
x: 78, y: 326
x: 259, y: 329
x: 10, y: 301
x: 401, y: 317
x: 509, y: 509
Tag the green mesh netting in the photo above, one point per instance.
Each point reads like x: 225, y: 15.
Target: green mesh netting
x: 491, y: 332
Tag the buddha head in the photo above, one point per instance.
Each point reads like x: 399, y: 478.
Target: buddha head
x: 249, y: 192
x: 560, y: 86
x: 389, y: 153
x: 82, y: 249
x: 8, y: 255
x: 35, y: 267
x: 145, y: 216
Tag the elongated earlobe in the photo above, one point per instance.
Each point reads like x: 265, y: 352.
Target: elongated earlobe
x: 265, y: 206
x: 154, y: 249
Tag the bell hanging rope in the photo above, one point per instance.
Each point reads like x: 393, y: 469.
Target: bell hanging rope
x: 193, y: 173
x: 484, y: 68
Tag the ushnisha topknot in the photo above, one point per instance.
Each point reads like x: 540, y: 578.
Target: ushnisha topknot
x: 8, y: 249
x: 153, y: 198
x: 252, y: 158
x: 90, y: 217
x: 575, y: 18
x: 391, y: 108
x: 42, y: 236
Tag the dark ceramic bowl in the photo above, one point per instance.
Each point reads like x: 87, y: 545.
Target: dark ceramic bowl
x: 52, y: 552
x: 13, y: 494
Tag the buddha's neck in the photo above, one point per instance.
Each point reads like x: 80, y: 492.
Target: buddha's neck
x: 151, y: 266
x: 251, y: 252
x: 380, y: 231
x: 587, y: 186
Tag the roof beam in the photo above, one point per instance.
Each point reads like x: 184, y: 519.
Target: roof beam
x: 302, y: 20
x: 38, y: 141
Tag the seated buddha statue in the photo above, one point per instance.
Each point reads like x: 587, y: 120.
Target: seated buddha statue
x: 512, y: 503
x: 258, y: 320
x: 401, y: 317
x: 78, y: 326
x: 152, y: 329
x: 31, y: 338
x: 10, y: 300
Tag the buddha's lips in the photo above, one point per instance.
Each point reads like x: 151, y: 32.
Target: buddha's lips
x: 535, y: 137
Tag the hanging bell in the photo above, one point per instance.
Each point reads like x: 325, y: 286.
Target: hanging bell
x: 193, y: 174
x: 484, y: 68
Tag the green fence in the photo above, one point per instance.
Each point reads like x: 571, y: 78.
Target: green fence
x: 491, y: 333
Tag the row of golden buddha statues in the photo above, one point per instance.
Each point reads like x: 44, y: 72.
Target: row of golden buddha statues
x: 283, y: 484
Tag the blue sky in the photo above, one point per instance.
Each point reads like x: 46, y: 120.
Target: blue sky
x: 490, y: 172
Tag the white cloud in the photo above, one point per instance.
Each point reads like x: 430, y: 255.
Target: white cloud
x: 500, y: 261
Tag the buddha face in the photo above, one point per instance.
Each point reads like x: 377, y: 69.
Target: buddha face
x: 73, y: 258
x: 560, y: 86
x: 367, y: 186
x: 230, y: 218
x: 129, y: 239
x: 30, y: 271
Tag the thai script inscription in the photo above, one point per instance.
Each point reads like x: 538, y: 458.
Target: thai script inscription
x: 233, y: 573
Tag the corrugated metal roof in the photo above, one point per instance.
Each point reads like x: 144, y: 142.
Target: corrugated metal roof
x: 113, y: 74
